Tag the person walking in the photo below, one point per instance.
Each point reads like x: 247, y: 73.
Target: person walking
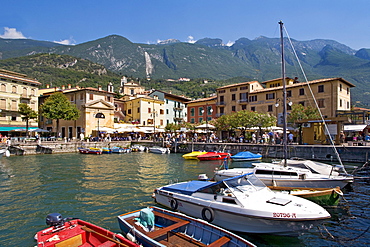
x: 290, y: 138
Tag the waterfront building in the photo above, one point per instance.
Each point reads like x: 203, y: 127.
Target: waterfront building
x: 200, y: 110
x: 175, y: 106
x: 145, y: 112
x: 331, y: 95
x: 96, y: 111
x: 16, y: 88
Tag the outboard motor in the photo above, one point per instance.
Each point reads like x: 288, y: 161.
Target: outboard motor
x: 54, y: 219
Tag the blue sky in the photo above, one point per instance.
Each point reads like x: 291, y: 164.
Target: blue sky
x: 147, y: 21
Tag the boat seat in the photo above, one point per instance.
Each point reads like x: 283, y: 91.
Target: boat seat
x: 163, y: 231
x: 107, y: 244
x: 220, y: 242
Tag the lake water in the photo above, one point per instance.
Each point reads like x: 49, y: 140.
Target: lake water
x: 98, y: 188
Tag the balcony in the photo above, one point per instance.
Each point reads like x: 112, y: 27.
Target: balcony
x: 25, y: 96
x: 243, y: 101
x: 178, y: 108
x: 221, y: 103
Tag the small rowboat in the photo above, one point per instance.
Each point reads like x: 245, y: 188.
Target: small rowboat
x: 213, y: 156
x: 321, y: 196
x: 63, y: 233
x: 193, y: 155
x: 90, y: 151
x: 160, y: 227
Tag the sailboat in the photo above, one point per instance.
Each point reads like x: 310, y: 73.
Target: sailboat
x: 292, y: 173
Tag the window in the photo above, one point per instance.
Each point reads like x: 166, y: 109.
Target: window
x: 233, y: 108
x: 14, y: 89
x: 161, y: 111
x: 270, y: 96
x: 340, y: 103
x: 253, y: 108
x: 301, y: 103
x: 72, y: 98
x: 288, y: 107
x: 244, y: 107
x: 138, y: 110
x: 91, y: 96
x: 233, y: 89
x: 129, y: 111
x: 3, y: 87
x: 289, y: 93
x: 221, y: 91
x: 320, y: 88
x: 14, y: 105
x: 192, y: 120
x: 200, y: 119
x: 149, y: 110
x: 108, y: 98
x: 233, y: 97
x: 161, y: 121
x: 33, y: 92
x: 347, y: 104
x: 222, y: 110
x: 3, y: 104
x: 222, y: 98
x: 244, y: 88
x: 320, y: 103
x: 347, y: 90
x: 269, y: 108
x: 167, y: 112
x: 253, y: 98
x: 192, y: 112
x: 167, y: 101
x: 14, y: 118
x: 201, y: 110
x: 132, y: 91
x: 243, y: 97
x: 301, y: 91
x: 340, y: 87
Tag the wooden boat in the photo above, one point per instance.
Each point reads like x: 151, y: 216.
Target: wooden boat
x: 213, y: 156
x: 120, y: 150
x: 175, y: 229
x: 63, y: 233
x: 321, y: 196
x: 242, y: 204
x: 245, y: 156
x: 193, y: 155
x: 104, y: 150
x: 90, y: 151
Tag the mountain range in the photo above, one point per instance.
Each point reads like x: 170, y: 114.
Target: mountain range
x: 257, y: 59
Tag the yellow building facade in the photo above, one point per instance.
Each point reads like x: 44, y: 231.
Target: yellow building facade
x: 16, y: 88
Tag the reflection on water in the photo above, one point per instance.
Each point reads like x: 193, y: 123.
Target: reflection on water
x: 98, y: 188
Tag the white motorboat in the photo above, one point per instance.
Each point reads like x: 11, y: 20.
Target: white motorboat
x: 4, y: 152
x: 272, y: 174
x: 242, y: 204
x: 159, y: 150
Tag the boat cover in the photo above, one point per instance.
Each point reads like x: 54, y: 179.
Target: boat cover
x: 245, y: 155
x: 187, y: 188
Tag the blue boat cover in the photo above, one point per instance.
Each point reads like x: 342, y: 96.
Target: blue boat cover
x: 245, y: 155
x: 187, y: 188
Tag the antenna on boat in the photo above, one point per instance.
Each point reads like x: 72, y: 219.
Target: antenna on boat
x: 285, y: 143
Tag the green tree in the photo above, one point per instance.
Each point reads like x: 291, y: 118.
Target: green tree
x: 300, y: 112
x: 57, y: 107
x: 27, y: 113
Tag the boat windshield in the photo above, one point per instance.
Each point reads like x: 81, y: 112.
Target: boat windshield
x: 245, y: 183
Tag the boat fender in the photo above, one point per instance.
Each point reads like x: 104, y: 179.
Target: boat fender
x: 130, y: 237
x: 208, y: 214
x: 174, y: 204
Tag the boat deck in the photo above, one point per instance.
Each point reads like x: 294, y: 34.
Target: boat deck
x: 168, y: 237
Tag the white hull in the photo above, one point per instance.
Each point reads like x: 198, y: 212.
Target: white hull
x: 238, y: 219
x: 160, y: 150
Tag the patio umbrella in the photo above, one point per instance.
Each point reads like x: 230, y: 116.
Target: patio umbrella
x: 205, y: 126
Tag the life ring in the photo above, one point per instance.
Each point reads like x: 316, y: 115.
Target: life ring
x: 174, y: 204
x: 208, y: 214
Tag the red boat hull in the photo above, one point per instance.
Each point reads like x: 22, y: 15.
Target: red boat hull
x: 213, y: 156
x: 79, y: 232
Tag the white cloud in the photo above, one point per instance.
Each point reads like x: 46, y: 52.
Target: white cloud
x: 191, y: 39
x: 69, y: 41
x: 12, y: 33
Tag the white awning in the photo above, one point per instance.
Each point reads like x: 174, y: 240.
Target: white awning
x: 359, y: 127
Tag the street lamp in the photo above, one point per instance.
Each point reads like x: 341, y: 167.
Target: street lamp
x: 98, y: 116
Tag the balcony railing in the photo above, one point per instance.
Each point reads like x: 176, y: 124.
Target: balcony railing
x: 219, y: 114
x: 221, y: 103
x: 243, y: 101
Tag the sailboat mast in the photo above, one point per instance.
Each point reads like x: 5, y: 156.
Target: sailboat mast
x: 285, y: 139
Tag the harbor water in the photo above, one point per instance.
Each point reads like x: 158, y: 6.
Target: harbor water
x: 99, y: 188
